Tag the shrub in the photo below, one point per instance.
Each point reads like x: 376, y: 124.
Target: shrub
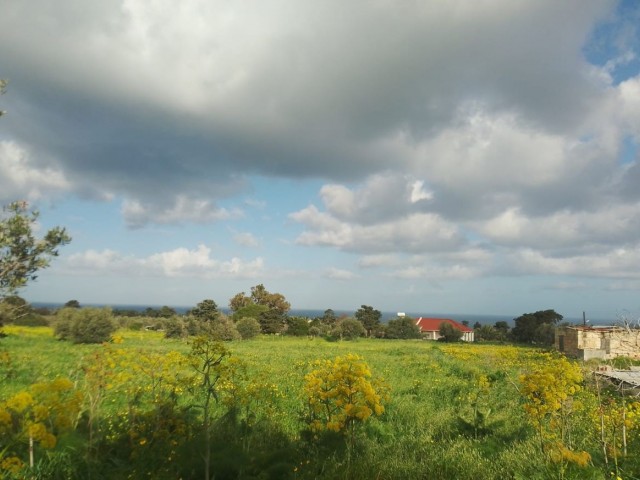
x: 297, y: 326
x: 340, y: 394
x: 174, y: 328
x: 224, y: 329
x: 449, y: 333
x: 403, y: 328
x: 348, y: 329
x: 248, y: 327
x: 86, y: 325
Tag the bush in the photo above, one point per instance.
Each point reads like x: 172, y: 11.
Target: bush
x: 297, y: 326
x: 86, y: 325
x: 174, y: 328
x: 403, y: 328
x: 224, y: 329
x: 348, y: 329
x: 31, y: 320
x: 248, y: 327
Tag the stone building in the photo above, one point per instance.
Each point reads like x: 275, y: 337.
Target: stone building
x: 606, y: 342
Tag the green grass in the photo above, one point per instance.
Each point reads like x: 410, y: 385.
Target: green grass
x: 424, y: 432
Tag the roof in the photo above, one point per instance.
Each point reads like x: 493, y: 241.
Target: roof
x: 433, y: 324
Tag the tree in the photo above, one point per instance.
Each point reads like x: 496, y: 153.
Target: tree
x: 329, y: 317
x: 206, y: 311
x: 368, y: 317
x: 403, y: 328
x: 298, y: 326
x: 536, y: 327
x: 166, y: 312
x: 21, y: 253
x: 248, y: 327
x: 449, y: 333
x: 348, y: 329
x: 268, y: 308
x: 72, y: 304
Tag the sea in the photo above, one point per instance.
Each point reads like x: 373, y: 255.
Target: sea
x: 472, y: 319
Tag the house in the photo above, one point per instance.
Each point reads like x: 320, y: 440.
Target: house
x: 586, y: 342
x: 430, y: 328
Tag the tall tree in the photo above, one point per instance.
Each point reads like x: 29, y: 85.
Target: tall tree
x: 21, y: 253
x: 206, y: 310
x: 536, y: 327
x: 369, y: 317
x: 272, y: 312
x: 403, y: 328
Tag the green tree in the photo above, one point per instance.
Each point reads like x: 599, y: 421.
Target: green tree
x: 403, y: 328
x: 536, y: 327
x: 369, y: 317
x: 329, y: 317
x: 72, y: 304
x: 85, y: 325
x: 21, y: 253
x: 297, y: 326
x: 348, y: 329
x: 449, y: 333
x: 248, y: 327
x: 166, y: 312
x: 268, y: 308
x: 206, y: 311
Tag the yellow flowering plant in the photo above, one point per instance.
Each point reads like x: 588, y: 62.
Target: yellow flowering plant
x: 36, y: 417
x: 340, y: 394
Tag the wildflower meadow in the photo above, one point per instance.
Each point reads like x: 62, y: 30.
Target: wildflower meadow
x: 144, y: 406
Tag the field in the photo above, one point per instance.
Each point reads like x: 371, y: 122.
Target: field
x: 144, y: 407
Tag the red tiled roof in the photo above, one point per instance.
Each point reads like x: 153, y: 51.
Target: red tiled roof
x: 433, y: 324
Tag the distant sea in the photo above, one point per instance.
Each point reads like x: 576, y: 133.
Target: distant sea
x: 483, y: 319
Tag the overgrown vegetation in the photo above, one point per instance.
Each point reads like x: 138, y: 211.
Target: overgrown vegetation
x: 144, y: 406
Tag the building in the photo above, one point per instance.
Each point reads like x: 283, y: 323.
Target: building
x: 430, y: 328
x: 585, y: 342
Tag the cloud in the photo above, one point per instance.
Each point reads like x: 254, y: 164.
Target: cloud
x: 182, y: 210
x: 339, y: 274
x: 295, y: 90
x: 180, y: 262
x: 246, y: 239
x: 22, y: 178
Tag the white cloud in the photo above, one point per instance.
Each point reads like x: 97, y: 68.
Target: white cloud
x: 340, y: 274
x: 180, y: 262
x: 246, y: 239
x: 22, y: 178
x: 183, y: 210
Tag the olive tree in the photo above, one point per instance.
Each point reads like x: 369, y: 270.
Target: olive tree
x: 22, y: 254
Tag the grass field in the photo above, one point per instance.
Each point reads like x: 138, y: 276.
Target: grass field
x: 453, y: 411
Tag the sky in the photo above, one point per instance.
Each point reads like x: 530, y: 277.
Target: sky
x: 465, y: 157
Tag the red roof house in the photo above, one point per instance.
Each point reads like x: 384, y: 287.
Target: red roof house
x: 430, y: 328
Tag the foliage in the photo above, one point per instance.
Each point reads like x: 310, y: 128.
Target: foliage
x: 38, y: 416
x: 85, y: 325
x: 275, y: 302
x: 206, y: 311
x: 348, y: 329
x: 550, y: 391
x: 271, y: 321
x: 248, y: 327
x: 174, y: 328
x: 536, y: 327
x: 340, y: 394
x: 328, y: 317
x: 403, y: 328
x: 449, y: 333
x: 298, y: 326
x: 21, y: 253
x: 72, y: 304
x: 224, y: 329
x: 369, y: 317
